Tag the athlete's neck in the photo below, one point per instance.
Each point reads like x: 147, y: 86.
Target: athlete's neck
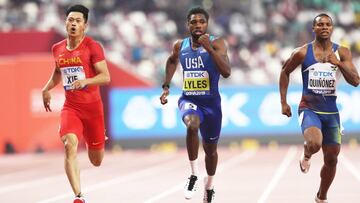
x: 323, y: 44
x: 194, y: 43
x: 74, y: 42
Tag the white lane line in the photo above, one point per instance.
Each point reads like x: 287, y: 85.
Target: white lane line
x: 27, y: 172
x: 349, y: 166
x: 47, y: 180
x: 120, y: 179
x: 223, y: 166
x: 32, y: 183
x: 42, y: 181
x: 278, y: 174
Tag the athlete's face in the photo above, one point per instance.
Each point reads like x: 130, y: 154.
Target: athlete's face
x: 323, y: 27
x: 197, y: 25
x: 75, y: 24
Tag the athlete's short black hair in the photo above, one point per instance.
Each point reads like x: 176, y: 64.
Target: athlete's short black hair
x: 79, y: 8
x: 321, y: 15
x: 197, y: 10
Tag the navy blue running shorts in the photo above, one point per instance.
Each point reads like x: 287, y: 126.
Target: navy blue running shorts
x: 210, y: 118
x: 328, y: 123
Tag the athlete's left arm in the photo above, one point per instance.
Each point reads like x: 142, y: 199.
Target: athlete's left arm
x: 346, y: 66
x: 101, y: 78
x: 218, y: 51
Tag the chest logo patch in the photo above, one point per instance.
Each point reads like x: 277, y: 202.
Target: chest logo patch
x: 71, y: 74
x: 196, y: 83
x: 322, y: 78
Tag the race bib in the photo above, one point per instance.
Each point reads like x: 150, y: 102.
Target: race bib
x: 196, y: 83
x: 322, y: 78
x: 71, y: 74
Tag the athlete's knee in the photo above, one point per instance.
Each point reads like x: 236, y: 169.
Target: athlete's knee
x: 211, y: 153
x: 210, y: 150
x: 192, y: 126
x: 313, y: 146
x: 313, y: 138
x: 192, y: 123
x: 331, y: 161
x: 96, y: 162
x: 96, y: 156
x: 70, y: 146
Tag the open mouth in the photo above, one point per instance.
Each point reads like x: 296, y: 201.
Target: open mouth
x: 72, y: 30
x: 198, y: 32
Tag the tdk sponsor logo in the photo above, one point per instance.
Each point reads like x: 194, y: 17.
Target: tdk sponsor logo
x: 323, y: 74
x: 72, y: 70
x: 195, y: 74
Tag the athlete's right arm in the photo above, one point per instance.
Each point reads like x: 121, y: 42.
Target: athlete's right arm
x: 289, y: 66
x: 170, y: 68
x: 53, y: 81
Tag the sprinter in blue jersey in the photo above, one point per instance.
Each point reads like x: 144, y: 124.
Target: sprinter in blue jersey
x: 322, y: 62
x: 203, y: 58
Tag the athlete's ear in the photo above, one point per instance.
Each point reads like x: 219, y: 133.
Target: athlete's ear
x: 86, y: 25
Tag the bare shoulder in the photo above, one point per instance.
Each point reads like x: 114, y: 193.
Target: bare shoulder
x: 343, y: 48
x: 218, y: 41
x: 301, y: 51
x: 176, y: 49
x: 344, y: 52
x: 298, y: 54
x: 177, y: 45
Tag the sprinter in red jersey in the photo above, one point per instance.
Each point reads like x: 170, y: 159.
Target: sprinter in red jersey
x: 81, y: 67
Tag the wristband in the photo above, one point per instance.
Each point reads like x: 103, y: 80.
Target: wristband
x: 165, y: 85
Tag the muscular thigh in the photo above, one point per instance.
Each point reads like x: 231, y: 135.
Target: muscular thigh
x: 311, y: 126
x: 188, y: 107
x: 94, y: 126
x: 86, y: 120
x: 331, y: 129
x: 70, y: 122
x: 94, y: 132
x: 308, y: 119
x: 210, y: 128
